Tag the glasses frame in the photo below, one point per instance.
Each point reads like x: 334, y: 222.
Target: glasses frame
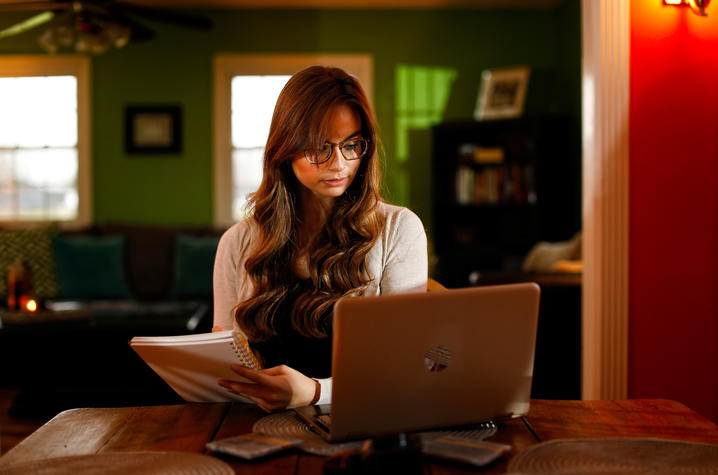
x: 340, y: 145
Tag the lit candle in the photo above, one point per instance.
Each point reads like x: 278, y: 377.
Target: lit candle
x: 31, y: 306
x: 28, y: 304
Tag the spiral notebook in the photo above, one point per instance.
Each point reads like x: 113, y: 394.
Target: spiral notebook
x: 192, y: 364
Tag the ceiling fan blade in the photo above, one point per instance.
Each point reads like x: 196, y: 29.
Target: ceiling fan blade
x: 139, y: 31
x: 174, y: 17
x: 27, y: 24
x: 31, y: 6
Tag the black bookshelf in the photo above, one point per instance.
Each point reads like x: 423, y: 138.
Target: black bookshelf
x: 499, y: 187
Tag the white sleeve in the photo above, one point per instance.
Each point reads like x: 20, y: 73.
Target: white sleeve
x: 225, y: 280
x: 325, y: 395
x: 406, y: 266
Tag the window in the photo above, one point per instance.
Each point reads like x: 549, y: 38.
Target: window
x: 422, y: 93
x: 253, y: 100
x: 44, y: 138
x: 246, y: 88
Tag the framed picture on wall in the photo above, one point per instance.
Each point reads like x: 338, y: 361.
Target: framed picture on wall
x: 153, y: 129
x: 502, y: 93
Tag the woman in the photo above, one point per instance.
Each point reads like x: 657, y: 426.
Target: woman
x: 318, y: 231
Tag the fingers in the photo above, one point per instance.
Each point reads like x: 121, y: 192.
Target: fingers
x: 272, y: 389
x: 245, y: 389
x: 267, y: 400
x: 272, y: 396
x: 243, y: 371
x: 236, y: 388
x: 260, y: 402
x: 259, y: 377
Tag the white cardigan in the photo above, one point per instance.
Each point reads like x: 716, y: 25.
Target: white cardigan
x: 396, y: 263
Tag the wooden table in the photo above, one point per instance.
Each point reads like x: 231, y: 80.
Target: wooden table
x: 187, y: 427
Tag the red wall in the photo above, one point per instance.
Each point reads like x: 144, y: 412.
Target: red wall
x: 673, y: 339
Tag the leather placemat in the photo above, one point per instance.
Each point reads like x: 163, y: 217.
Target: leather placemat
x: 121, y: 463
x: 617, y: 455
x: 288, y: 424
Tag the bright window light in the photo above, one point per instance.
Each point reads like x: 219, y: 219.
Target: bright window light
x: 38, y: 148
x: 253, y: 100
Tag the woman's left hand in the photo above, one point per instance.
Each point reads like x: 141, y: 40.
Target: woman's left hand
x: 273, y: 389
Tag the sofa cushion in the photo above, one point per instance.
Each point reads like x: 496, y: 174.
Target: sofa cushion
x: 149, y: 258
x: 91, y: 267
x: 33, y: 247
x: 193, y: 265
x: 150, y: 255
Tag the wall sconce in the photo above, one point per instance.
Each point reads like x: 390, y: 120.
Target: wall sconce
x: 698, y: 6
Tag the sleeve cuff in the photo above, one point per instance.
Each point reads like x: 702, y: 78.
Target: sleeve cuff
x: 325, y: 397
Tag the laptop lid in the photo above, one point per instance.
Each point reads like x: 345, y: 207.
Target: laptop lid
x: 415, y: 361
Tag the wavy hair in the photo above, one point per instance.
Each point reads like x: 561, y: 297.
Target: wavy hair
x: 337, y: 255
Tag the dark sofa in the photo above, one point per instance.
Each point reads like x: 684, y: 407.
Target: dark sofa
x: 155, y: 254
x: 101, y: 286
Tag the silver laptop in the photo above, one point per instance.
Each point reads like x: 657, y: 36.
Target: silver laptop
x: 426, y: 360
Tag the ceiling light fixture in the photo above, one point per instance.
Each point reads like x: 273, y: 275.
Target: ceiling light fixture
x: 86, y: 31
x: 94, y: 26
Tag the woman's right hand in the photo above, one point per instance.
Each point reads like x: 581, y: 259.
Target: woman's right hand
x: 273, y: 389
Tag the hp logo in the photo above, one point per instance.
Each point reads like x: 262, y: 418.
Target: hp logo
x: 437, y: 358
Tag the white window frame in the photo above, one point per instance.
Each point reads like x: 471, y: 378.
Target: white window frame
x: 226, y: 66
x: 65, y: 65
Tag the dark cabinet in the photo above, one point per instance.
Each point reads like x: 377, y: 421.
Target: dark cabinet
x: 498, y: 188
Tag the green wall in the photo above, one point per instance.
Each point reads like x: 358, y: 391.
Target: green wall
x: 176, y: 67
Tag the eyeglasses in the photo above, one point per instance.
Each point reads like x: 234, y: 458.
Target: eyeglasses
x: 352, y: 149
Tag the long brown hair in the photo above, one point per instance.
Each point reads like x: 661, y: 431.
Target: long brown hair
x: 337, y: 255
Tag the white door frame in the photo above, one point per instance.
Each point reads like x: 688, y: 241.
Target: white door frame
x: 606, y: 83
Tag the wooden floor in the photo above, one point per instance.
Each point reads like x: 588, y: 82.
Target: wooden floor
x: 14, y: 429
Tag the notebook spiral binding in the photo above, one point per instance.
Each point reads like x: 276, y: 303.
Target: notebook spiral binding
x: 244, y: 352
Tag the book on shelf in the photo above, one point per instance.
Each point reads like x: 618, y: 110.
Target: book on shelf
x: 495, y: 184
x: 465, y: 185
x: 493, y: 155
x: 486, y: 185
x: 192, y: 364
x: 481, y: 155
x: 518, y: 182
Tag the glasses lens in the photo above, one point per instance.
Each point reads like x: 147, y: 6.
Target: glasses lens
x: 325, y: 152
x: 319, y: 156
x: 354, y: 149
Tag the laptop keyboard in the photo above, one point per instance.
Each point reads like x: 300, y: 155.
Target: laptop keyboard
x: 473, y: 432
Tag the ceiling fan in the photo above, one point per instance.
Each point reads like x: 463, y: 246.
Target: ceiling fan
x: 93, y: 26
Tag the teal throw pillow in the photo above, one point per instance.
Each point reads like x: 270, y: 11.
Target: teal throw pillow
x: 90, y: 267
x: 194, y: 265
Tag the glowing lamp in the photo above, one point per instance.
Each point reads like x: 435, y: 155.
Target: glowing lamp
x: 28, y: 304
x: 698, y: 6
